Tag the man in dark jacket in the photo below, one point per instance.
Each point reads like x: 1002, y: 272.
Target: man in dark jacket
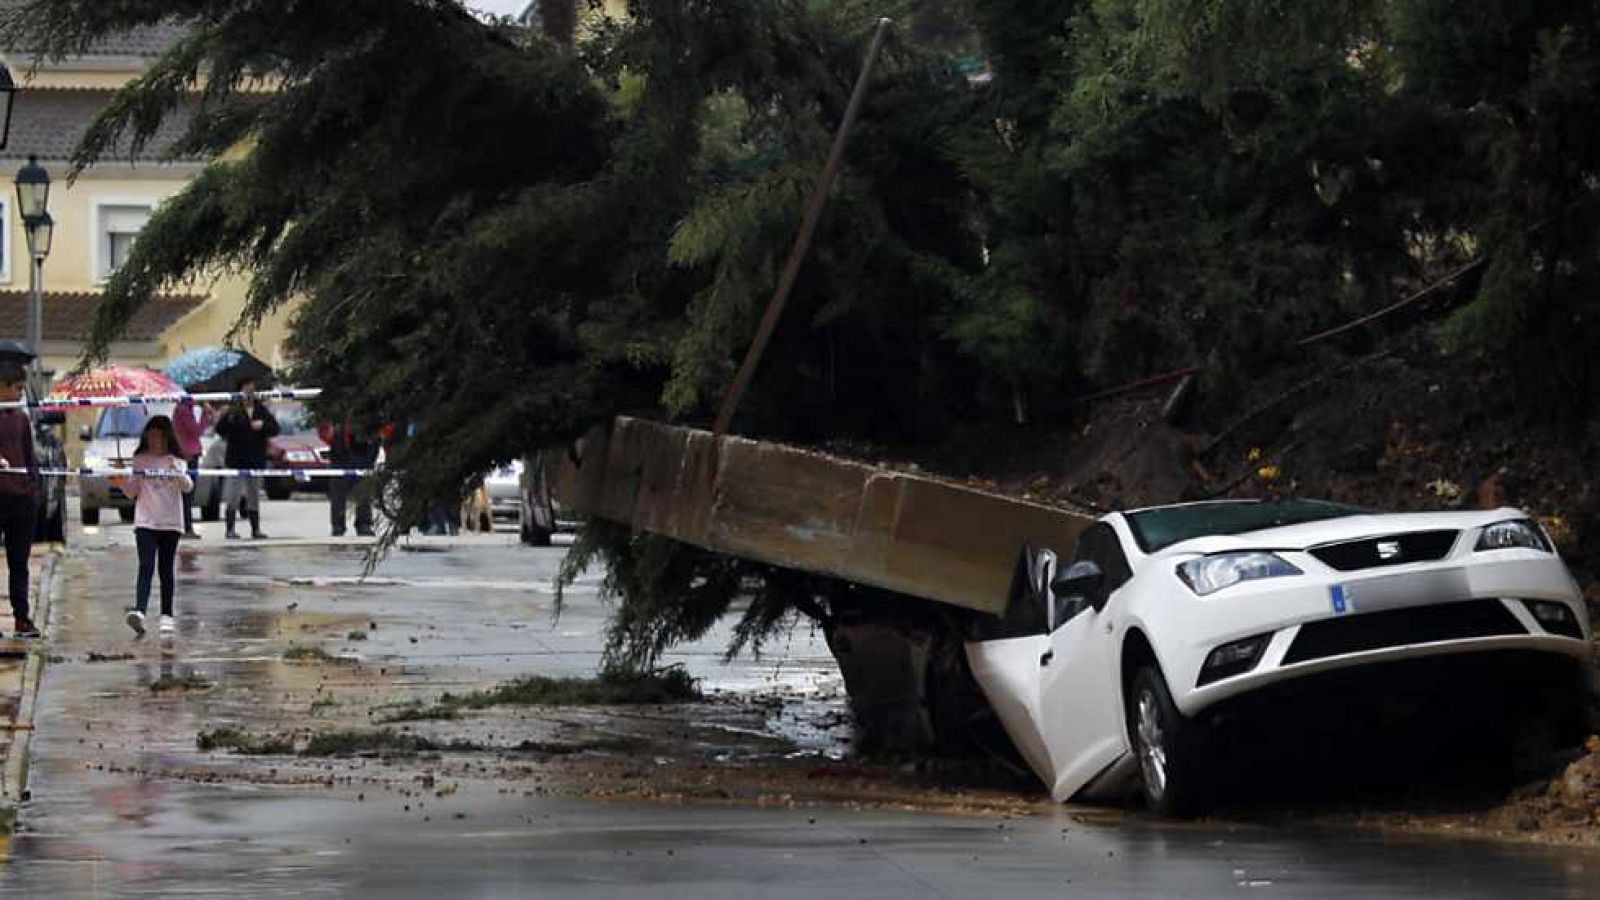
x: 248, y: 427
x: 19, y: 494
x: 348, y: 449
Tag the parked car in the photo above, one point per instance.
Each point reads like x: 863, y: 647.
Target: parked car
x: 298, y: 447
x: 50, y: 454
x: 505, y: 491
x: 47, y: 448
x: 1169, y: 621
x: 109, y: 444
x: 208, y: 488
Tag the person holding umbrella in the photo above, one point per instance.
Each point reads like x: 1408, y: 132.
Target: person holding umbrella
x: 248, y: 426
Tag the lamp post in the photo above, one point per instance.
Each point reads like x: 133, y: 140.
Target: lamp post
x: 33, y: 201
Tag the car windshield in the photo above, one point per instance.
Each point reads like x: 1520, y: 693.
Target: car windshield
x: 1157, y: 529
x: 122, y: 422
x: 293, y: 418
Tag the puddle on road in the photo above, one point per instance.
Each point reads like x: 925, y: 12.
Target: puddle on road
x: 771, y: 731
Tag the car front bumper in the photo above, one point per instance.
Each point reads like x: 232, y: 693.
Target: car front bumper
x: 505, y: 499
x: 1316, y: 625
x: 98, y: 493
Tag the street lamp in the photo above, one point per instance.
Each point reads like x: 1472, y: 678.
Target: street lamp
x: 33, y: 189
x: 33, y: 201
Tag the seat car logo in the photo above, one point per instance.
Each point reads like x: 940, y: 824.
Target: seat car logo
x: 1388, y: 549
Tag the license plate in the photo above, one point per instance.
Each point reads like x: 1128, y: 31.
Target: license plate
x: 1398, y: 591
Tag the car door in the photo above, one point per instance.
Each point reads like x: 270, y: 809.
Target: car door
x: 1082, y: 716
x: 1004, y: 653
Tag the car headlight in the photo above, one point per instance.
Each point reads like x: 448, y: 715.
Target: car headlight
x: 1209, y: 574
x: 1513, y: 533
x: 93, y: 461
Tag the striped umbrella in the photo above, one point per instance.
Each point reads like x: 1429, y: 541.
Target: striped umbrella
x: 114, y: 381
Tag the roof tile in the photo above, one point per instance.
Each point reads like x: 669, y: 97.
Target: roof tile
x: 48, y: 123
x: 68, y: 316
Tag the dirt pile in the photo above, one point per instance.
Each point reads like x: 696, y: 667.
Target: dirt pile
x: 1567, y: 803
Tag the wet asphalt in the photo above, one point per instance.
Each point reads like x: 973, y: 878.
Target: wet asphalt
x: 118, y: 809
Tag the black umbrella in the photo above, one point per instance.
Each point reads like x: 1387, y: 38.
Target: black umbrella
x: 217, y: 369
x: 15, y: 351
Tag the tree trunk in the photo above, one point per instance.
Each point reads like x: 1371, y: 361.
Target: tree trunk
x: 559, y: 20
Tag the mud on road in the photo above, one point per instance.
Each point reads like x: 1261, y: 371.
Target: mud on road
x: 315, y: 677
x: 289, y: 670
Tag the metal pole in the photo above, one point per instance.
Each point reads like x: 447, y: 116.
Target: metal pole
x: 802, y: 241
x: 36, y: 315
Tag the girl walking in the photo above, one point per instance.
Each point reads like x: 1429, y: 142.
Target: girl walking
x: 157, y: 517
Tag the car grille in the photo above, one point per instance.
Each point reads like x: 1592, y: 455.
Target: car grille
x: 1391, y: 550
x: 1400, y: 627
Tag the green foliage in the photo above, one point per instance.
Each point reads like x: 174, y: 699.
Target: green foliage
x: 495, y: 240
x: 671, y: 592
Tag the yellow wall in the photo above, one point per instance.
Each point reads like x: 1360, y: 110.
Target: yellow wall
x: 80, y: 80
x: 73, y: 262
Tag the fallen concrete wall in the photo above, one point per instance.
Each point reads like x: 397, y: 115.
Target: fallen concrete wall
x: 803, y: 510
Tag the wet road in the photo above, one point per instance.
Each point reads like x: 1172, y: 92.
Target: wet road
x: 125, y: 806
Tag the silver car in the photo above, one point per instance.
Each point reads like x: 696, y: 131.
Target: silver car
x: 505, y: 491
x: 109, y: 444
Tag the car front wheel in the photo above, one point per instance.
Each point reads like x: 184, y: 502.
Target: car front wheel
x: 1169, y: 747
x: 90, y: 515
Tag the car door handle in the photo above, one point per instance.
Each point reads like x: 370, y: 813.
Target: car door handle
x: 1044, y: 660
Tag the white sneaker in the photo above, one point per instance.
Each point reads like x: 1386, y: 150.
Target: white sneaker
x: 169, y: 625
x: 135, y: 620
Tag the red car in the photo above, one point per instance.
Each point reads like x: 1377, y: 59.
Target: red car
x: 296, y: 447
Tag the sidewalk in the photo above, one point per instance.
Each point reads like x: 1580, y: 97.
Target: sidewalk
x: 21, y: 664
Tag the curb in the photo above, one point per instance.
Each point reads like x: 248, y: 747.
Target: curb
x: 14, y: 772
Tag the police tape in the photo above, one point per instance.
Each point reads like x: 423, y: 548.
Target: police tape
x: 296, y: 474
x: 155, y: 399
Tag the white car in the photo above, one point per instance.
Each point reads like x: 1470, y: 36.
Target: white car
x: 505, y: 491
x: 109, y: 444
x: 1118, y: 666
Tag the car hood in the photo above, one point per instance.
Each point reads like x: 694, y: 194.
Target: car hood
x: 111, y: 448
x: 297, y: 442
x: 1346, y: 528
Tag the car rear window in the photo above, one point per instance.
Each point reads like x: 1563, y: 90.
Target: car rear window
x: 122, y: 421
x: 1159, y: 528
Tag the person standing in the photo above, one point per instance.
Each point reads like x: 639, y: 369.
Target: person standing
x: 159, y: 501
x: 190, y: 423
x: 347, y: 449
x: 19, y: 495
x: 248, y: 427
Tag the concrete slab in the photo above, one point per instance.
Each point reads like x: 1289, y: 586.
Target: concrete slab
x: 804, y: 510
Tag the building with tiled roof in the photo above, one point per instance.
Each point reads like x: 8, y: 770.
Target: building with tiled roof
x: 99, y: 217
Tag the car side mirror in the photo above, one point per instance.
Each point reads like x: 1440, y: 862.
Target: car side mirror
x: 1081, y: 579
x: 86, y: 433
x: 51, y: 417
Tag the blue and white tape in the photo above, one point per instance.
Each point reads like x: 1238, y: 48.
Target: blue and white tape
x: 154, y: 399
x: 297, y: 474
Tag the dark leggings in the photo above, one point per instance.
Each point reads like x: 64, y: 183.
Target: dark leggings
x: 17, y: 515
x: 153, y: 544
